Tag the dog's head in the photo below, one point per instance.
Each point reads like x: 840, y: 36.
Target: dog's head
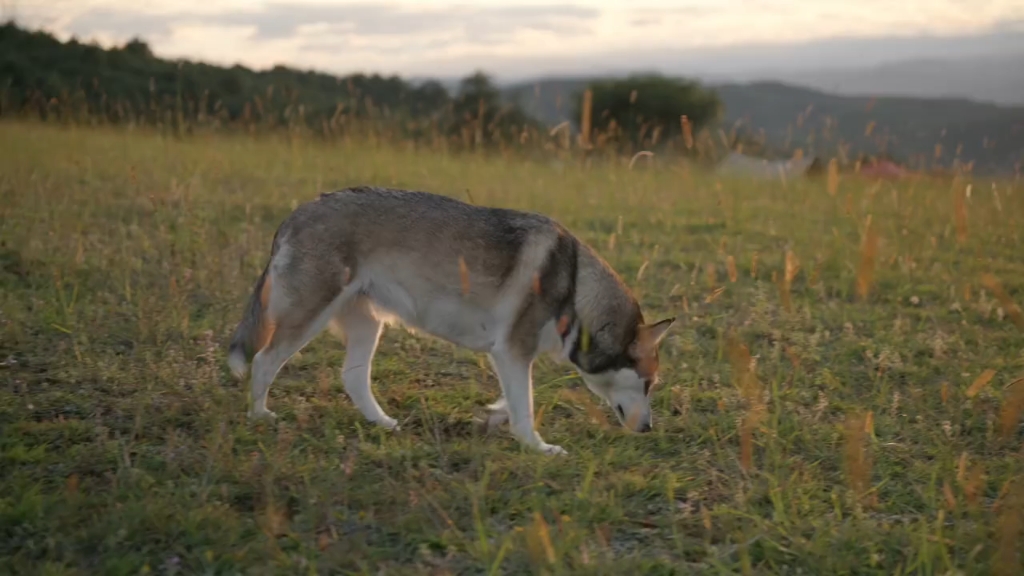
x: 626, y: 384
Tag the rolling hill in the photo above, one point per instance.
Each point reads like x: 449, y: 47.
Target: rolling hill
x: 995, y: 78
x: 908, y: 129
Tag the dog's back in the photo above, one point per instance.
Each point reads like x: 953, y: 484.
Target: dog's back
x: 439, y: 265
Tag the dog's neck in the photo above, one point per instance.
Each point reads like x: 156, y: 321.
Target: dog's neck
x: 604, y: 312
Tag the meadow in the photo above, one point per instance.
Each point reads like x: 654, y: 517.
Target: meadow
x: 840, y: 395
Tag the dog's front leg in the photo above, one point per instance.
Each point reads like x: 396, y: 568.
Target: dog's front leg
x: 515, y: 378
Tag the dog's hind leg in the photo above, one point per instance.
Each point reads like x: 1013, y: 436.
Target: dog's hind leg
x: 362, y: 329
x: 294, y: 325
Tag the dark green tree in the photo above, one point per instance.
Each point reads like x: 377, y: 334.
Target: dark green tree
x: 480, y: 118
x: 644, y: 111
x: 131, y: 83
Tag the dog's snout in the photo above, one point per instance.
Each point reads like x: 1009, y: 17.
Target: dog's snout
x: 645, y: 427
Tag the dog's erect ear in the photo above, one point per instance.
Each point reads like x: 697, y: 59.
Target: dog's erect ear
x: 648, y: 337
x: 658, y: 329
x: 645, y: 348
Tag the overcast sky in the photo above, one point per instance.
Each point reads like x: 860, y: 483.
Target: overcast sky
x: 516, y: 39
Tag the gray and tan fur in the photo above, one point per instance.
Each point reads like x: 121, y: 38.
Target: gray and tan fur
x: 512, y: 284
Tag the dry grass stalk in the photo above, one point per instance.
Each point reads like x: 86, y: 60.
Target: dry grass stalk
x: 944, y: 392
x: 586, y: 113
x: 730, y: 265
x: 275, y: 520
x: 714, y: 295
x: 833, y: 177
x: 794, y: 358
x: 1013, y: 407
x: 687, y: 131
x: 639, y: 154
x: 538, y: 542
x: 792, y: 267
x: 1009, y: 306
x: 71, y: 484
x: 743, y: 371
x: 868, y: 252
x: 856, y: 457
x: 750, y: 388
x: 1010, y: 531
x: 712, y: 274
x: 974, y: 484
x: 705, y: 516
x: 980, y: 382
x: 323, y: 541
x: 947, y: 493
x: 464, y: 275
x: 753, y: 266
x: 640, y: 272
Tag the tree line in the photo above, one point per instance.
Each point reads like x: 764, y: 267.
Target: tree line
x: 41, y: 76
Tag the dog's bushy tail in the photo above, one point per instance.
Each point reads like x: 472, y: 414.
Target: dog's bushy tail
x: 253, y: 327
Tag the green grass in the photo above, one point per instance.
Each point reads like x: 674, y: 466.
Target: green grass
x: 126, y: 260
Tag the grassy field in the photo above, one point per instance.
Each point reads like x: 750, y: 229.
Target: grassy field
x: 804, y: 425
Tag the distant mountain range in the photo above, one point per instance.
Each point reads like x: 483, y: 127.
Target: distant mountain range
x: 993, y: 72
x: 920, y: 131
x: 997, y: 78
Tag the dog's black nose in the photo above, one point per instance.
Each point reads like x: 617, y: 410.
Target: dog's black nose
x: 645, y: 427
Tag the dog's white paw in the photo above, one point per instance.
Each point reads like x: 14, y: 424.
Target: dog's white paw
x: 388, y: 423
x: 552, y: 450
x: 262, y: 415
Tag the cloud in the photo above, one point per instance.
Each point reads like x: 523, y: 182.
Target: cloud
x: 118, y: 23
x: 513, y: 39
x: 278, y: 21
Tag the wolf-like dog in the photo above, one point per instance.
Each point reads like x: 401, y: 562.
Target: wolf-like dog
x: 508, y: 283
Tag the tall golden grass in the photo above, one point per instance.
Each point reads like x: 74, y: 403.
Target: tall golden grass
x: 751, y: 390
x: 868, y: 253
x: 857, y: 458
